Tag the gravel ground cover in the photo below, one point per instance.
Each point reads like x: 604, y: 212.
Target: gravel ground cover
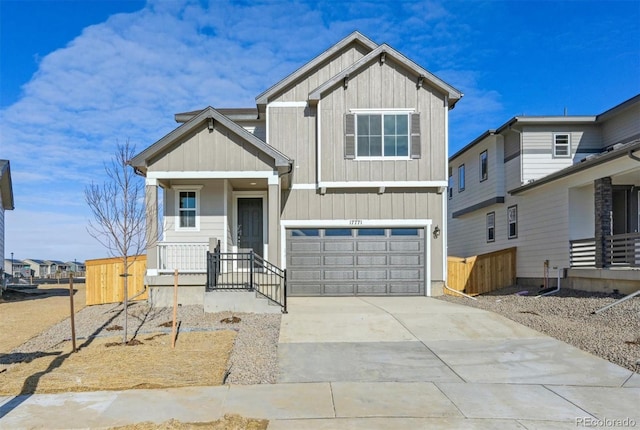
x: 253, y: 358
x: 567, y: 315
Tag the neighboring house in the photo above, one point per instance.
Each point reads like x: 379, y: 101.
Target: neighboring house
x: 338, y: 175
x: 15, y: 267
x: 77, y: 267
x: 560, y: 188
x: 39, y: 268
x: 6, y: 200
x: 57, y: 267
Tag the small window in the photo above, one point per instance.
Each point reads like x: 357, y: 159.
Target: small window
x: 187, y: 209
x: 491, y: 227
x: 512, y: 218
x: 337, y: 232
x: 371, y: 232
x: 461, y: 178
x: 305, y: 232
x: 404, y: 232
x: 450, y: 188
x: 561, y: 145
x: 484, y: 166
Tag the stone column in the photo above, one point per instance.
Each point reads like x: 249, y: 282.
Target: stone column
x: 603, y: 203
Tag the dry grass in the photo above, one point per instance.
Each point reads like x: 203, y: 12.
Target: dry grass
x: 198, y: 359
x: 229, y: 422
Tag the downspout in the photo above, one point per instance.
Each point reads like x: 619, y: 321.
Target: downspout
x: 548, y: 291
x: 459, y: 292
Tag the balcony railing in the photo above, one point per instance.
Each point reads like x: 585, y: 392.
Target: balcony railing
x: 186, y: 257
x: 582, y: 253
x: 622, y: 250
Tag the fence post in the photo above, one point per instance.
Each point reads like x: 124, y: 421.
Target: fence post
x: 251, y: 269
x: 284, y: 290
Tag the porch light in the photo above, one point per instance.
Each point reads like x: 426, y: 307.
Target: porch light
x: 252, y: 183
x: 436, y: 232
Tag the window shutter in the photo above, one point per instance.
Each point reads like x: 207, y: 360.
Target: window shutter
x: 416, y: 148
x: 349, y: 136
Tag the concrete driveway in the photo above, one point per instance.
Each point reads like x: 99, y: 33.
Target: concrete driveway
x: 422, y: 357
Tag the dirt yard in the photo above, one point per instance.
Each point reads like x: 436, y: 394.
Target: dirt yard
x: 228, y: 422
x: 26, y: 314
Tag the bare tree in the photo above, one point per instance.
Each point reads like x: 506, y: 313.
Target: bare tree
x: 119, y: 214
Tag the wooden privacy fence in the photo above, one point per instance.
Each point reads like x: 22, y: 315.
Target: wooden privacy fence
x: 105, y: 285
x: 481, y: 273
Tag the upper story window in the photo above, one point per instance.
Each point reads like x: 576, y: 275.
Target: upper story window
x: 461, y: 178
x: 512, y: 221
x: 561, y: 145
x: 188, y: 208
x: 450, y: 189
x: 484, y: 166
x: 382, y: 135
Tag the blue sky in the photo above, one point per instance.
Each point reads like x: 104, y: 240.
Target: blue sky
x: 76, y: 77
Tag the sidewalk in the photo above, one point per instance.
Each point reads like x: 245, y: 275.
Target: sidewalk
x: 349, y: 405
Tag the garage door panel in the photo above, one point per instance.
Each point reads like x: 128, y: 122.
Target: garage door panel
x: 372, y: 260
x: 339, y: 289
x: 372, y: 274
x: 338, y: 246
x: 367, y: 245
x: 405, y: 288
x: 306, y: 261
x: 340, y: 260
x: 372, y: 289
x: 306, y: 246
x: 357, y: 262
x: 404, y: 246
x: 405, y: 274
x: 406, y: 260
x: 338, y: 274
x: 305, y: 275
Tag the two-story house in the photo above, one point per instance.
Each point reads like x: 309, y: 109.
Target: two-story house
x: 338, y: 174
x: 562, y: 189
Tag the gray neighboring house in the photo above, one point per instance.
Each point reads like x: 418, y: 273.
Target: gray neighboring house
x: 6, y: 200
x: 562, y: 189
x: 339, y: 175
x: 39, y: 268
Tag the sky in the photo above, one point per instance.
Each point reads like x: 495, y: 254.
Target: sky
x: 79, y: 77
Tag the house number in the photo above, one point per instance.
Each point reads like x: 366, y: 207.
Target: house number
x: 355, y: 222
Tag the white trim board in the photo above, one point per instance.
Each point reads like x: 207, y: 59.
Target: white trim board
x: 366, y: 223
x: 385, y: 184
x: 233, y: 174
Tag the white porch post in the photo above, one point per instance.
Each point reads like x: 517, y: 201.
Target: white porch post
x: 151, y: 206
x: 273, y: 219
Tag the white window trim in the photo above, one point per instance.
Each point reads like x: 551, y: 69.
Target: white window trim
x: 491, y: 226
x: 568, y: 144
x: 509, y: 236
x: 486, y: 152
x: 182, y: 188
x: 462, y: 184
x: 397, y: 111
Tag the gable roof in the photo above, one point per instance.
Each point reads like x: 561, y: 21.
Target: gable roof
x: 453, y: 94
x: 356, y: 36
x: 6, y: 187
x: 141, y: 159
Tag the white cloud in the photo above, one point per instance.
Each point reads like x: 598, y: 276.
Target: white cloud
x: 126, y: 77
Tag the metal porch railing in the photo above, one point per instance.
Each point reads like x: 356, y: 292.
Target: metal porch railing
x: 246, y: 271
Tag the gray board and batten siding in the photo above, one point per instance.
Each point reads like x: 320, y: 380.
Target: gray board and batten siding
x: 350, y: 261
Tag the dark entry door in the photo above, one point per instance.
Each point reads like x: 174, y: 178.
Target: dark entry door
x: 250, y: 224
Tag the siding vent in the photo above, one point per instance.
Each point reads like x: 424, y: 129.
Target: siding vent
x: 349, y: 136
x: 416, y: 148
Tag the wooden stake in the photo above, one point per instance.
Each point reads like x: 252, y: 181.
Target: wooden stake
x: 73, y: 318
x: 175, y: 308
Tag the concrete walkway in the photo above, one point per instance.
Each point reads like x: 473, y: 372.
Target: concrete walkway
x: 382, y: 363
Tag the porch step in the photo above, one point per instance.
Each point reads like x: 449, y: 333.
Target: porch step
x: 239, y: 301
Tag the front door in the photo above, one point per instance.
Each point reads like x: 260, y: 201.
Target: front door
x: 250, y: 228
